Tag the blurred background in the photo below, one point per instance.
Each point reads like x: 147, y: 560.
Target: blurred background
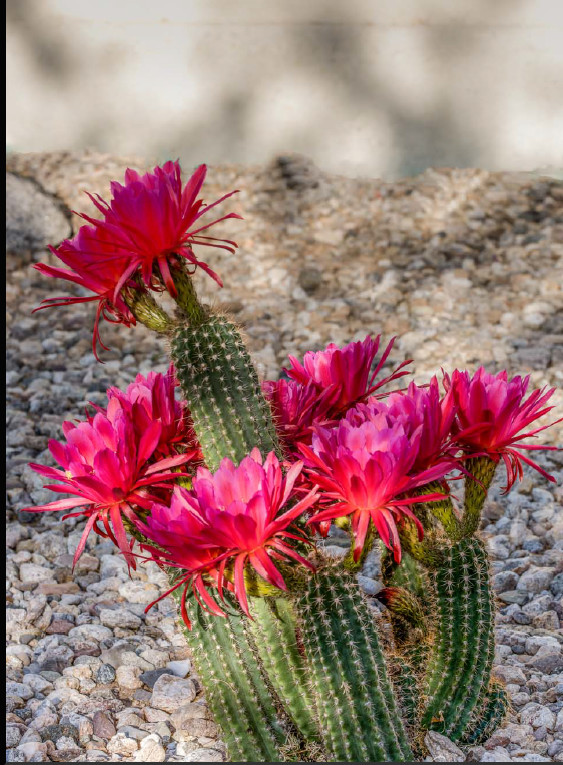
x: 379, y: 88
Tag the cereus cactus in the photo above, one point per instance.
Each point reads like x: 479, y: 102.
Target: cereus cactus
x: 230, y: 489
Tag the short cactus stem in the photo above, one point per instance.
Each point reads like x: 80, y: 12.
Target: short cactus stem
x: 348, y: 562
x: 443, y: 510
x: 186, y: 297
x: 407, y: 613
x: 428, y: 550
x: 483, y: 469
x: 147, y: 311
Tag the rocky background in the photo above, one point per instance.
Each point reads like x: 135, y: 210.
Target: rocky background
x: 465, y: 266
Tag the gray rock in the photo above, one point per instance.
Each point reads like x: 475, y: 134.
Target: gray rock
x: 548, y: 660
x: 103, y: 726
x: 33, y: 218
x: 513, y: 596
x: 505, y: 581
x: 150, y: 677
x: 536, y: 579
x: 105, y: 674
x: 170, y: 692
x: 119, y: 617
x: 13, y: 736
x: 557, y: 585
x: 204, y: 755
x: 442, y: 749
x: 179, y: 668
x: 31, y: 573
x: 151, y: 750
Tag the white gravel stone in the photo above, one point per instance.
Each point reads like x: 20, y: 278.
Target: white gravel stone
x: 170, y: 692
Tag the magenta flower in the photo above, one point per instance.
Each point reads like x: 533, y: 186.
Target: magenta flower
x: 493, y: 415
x: 424, y: 410
x: 229, y: 517
x: 154, y: 219
x: 105, y: 466
x: 97, y: 264
x: 365, y: 465
x: 325, y: 386
x: 151, y: 399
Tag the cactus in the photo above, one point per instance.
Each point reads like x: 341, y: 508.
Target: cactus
x: 290, y: 655
x: 484, y: 722
x: 461, y: 661
x: 358, y: 711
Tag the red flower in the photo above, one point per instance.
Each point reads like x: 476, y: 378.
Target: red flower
x: 97, y: 264
x: 365, y: 465
x: 492, y: 417
x: 230, y: 516
x: 151, y: 399
x: 153, y: 218
x: 105, y: 466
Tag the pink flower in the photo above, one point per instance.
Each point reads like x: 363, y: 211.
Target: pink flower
x: 151, y: 399
x: 493, y: 415
x: 325, y: 386
x: 422, y: 409
x: 365, y: 465
x: 295, y: 407
x: 97, y: 264
x: 154, y: 219
x: 105, y: 467
x: 229, y: 517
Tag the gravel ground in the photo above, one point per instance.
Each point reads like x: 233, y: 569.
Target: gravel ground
x: 465, y: 266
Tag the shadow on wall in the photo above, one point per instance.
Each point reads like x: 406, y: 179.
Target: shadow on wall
x: 388, y: 96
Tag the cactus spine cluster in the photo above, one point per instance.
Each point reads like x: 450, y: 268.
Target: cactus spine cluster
x: 311, y: 667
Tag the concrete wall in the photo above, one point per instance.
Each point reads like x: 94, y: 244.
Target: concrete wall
x: 364, y: 87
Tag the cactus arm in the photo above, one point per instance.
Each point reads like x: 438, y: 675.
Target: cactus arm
x: 358, y: 712
x: 274, y: 630
x: 463, y: 653
x: 235, y: 695
x: 484, y: 724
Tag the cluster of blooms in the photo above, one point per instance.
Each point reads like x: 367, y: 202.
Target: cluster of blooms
x: 148, y: 228
x: 351, y: 449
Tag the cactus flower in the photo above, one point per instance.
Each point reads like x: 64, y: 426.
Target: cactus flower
x: 105, y: 466
x: 98, y: 265
x: 492, y: 417
x: 230, y: 516
x: 151, y: 399
x: 347, y: 372
x: 154, y: 219
x: 365, y: 466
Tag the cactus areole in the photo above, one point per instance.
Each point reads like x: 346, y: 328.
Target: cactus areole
x: 229, y: 483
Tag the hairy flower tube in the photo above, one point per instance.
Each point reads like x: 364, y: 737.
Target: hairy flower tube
x: 492, y: 417
x: 96, y: 263
x: 108, y: 468
x: 364, y: 465
x: 151, y: 399
x: 154, y: 218
x: 228, y: 519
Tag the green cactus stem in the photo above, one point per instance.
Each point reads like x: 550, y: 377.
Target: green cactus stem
x: 485, y: 721
x: 460, y: 665
x: 222, y: 390
x: 358, y: 712
x: 274, y: 630
x: 483, y: 468
x: 407, y: 614
x: 239, y: 699
x: 409, y: 573
x: 442, y: 510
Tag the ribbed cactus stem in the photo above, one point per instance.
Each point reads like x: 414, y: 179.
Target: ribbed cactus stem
x: 487, y: 719
x: 235, y: 692
x: 186, y: 297
x: 222, y: 390
x: 273, y: 627
x: 147, y: 311
x: 483, y: 469
x: 358, y: 712
x: 406, y: 610
x: 409, y: 573
x: 459, y: 670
